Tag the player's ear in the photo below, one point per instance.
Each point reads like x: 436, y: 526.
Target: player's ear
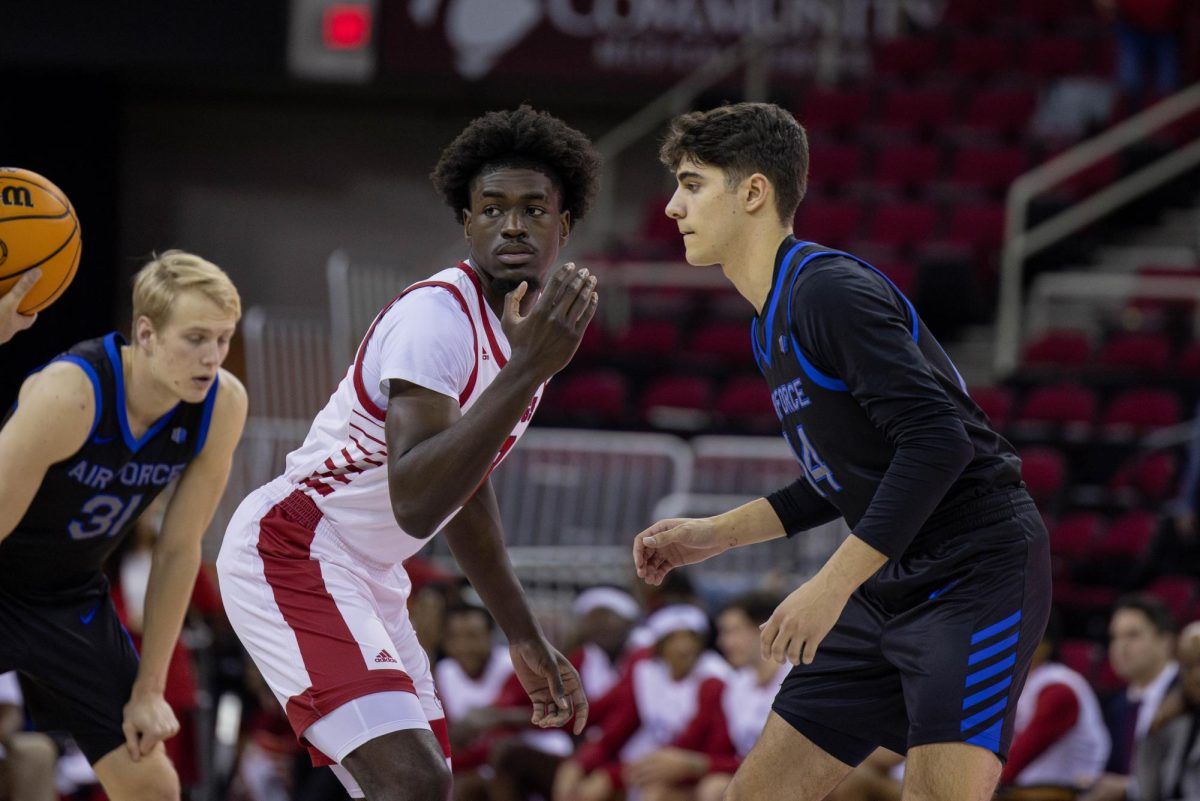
x: 564, y: 227
x: 143, y: 331
x: 466, y: 223
x: 755, y: 192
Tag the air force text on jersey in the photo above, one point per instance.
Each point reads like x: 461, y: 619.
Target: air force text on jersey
x: 131, y: 474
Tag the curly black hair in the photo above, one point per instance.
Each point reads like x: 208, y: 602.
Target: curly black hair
x: 521, y: 138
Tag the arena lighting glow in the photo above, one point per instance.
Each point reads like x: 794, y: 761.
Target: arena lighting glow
x: 346, y: 26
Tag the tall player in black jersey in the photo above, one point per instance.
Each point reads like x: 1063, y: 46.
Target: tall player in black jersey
x: 96, y: 434
x: 918, y: 632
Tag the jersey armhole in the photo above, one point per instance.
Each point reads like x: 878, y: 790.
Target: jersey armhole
x: 206, y: 415
x: 96, y: 393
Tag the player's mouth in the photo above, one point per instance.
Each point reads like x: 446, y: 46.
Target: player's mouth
x: 514, y: 254
x: 202, y: 382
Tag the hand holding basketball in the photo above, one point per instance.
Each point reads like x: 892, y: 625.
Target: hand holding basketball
x: 38, y: 230
x: 12, y: 321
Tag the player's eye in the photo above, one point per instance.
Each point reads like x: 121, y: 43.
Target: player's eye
x: 491, y: 211
x: 196, y: 339
x: 536, y: 211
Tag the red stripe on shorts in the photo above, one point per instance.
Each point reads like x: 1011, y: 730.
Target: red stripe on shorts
x: 336, y: 666
x: 442, y: 734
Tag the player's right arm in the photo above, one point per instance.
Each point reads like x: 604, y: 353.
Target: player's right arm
x: 53, y: 418
x: 437, y: 459
x: 676, y: 542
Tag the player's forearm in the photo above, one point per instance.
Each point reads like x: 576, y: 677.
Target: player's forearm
x: 475, y: 538
x: 172, y: 576
x: 438, y: 475
x: 748, y: 524
x: 851, y: 564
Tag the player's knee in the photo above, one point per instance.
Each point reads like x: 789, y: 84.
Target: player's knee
x: 419, y: 780
x: 160, y: 783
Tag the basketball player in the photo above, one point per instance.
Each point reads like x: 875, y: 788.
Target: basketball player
x: 95, y: 436
x: 445, y: 381
x: 12, y: 322
x: 918, y: 632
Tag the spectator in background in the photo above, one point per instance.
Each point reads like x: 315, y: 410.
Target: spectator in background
x: 1147, y: 39
x: 1060, y: 737
x: 525, y: 764
x: 1141, y: 643
x: 701, y: 761
x: 1168, y: 761
x: 27, y: 758
x: 469, y: 677
x: 651, y: 705
x: 1177, y: 548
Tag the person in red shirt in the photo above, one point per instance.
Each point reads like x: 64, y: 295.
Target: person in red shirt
x: 701, y: 761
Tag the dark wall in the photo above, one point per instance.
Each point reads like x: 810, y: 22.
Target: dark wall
x: 66, y: 127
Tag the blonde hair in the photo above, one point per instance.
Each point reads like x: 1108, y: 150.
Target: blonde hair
x: 160, y: 282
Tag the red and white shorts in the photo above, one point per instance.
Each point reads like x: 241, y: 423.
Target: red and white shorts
x: 325, y: 627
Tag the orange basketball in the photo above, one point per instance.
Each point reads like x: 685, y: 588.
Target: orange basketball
x: 38, y: 228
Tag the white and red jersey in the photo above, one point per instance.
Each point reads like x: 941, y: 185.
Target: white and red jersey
x: 746, y: 705
x: 1076, y: 756
x: 461, y: 693
x: 439, y: 334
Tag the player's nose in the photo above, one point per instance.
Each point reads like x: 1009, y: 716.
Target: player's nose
x: 514, y: 224
x: 674, y: 208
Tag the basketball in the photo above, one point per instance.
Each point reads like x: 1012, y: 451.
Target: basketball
x: 38, y: 228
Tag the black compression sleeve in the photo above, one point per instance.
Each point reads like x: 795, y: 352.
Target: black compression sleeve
x: 799, y: 508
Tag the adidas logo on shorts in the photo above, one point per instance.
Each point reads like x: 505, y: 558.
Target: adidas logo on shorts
x: 384, y: 656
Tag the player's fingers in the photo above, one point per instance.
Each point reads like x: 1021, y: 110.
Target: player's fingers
x: 539, y: 712
x: 131, y: 743
x: 810, y: 649
x: 583, y: 300
x: 25, y: 321
x: 570, y: 291
x: 770, y: 630
x: 26, y: 283
x: 580, y: 704
x: 796, y: 649
x: 558, y: 283
x: 512, y: 301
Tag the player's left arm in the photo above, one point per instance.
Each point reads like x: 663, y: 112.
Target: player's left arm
x: 476, y: 538
x: 175, y: 562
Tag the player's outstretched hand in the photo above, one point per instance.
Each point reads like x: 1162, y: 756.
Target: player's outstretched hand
x: 11, y: 320
x: 801, y: 622
x: 552, y: 684
x: 148, y: 721
x: 672, y: 543
x: 545, y: 340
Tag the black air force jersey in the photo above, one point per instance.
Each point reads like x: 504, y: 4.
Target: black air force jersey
x: 876, y: 413
x: 87, y: 503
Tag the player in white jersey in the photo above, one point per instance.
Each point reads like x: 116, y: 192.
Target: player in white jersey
x: 444, y: 382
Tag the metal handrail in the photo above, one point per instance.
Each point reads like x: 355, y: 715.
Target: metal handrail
x: 1020, y: 244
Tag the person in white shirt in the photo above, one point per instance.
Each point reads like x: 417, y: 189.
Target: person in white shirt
x: 444, y: 383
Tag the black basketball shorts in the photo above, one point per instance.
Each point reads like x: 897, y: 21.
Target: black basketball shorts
x: 936, y: 646
x: 76, y: 664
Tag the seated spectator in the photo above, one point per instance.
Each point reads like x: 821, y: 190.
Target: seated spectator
x: 27, y: 758
x: 1168, y: 759
x: 469, y: 677
x: 1141, y: 642
x: 1059, y: 739
x: 525, y: 764
x: 651, y: 704
x: 701, y: 761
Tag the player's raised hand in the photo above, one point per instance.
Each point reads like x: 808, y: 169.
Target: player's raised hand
x: 545, y: 340
x: 672, y: 543
x: 148, y: 721
x: 11, y: 320
x: 552, y: 684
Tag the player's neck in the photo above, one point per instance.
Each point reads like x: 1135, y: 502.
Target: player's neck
x: 751, y: 263
x: 146, y: 399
